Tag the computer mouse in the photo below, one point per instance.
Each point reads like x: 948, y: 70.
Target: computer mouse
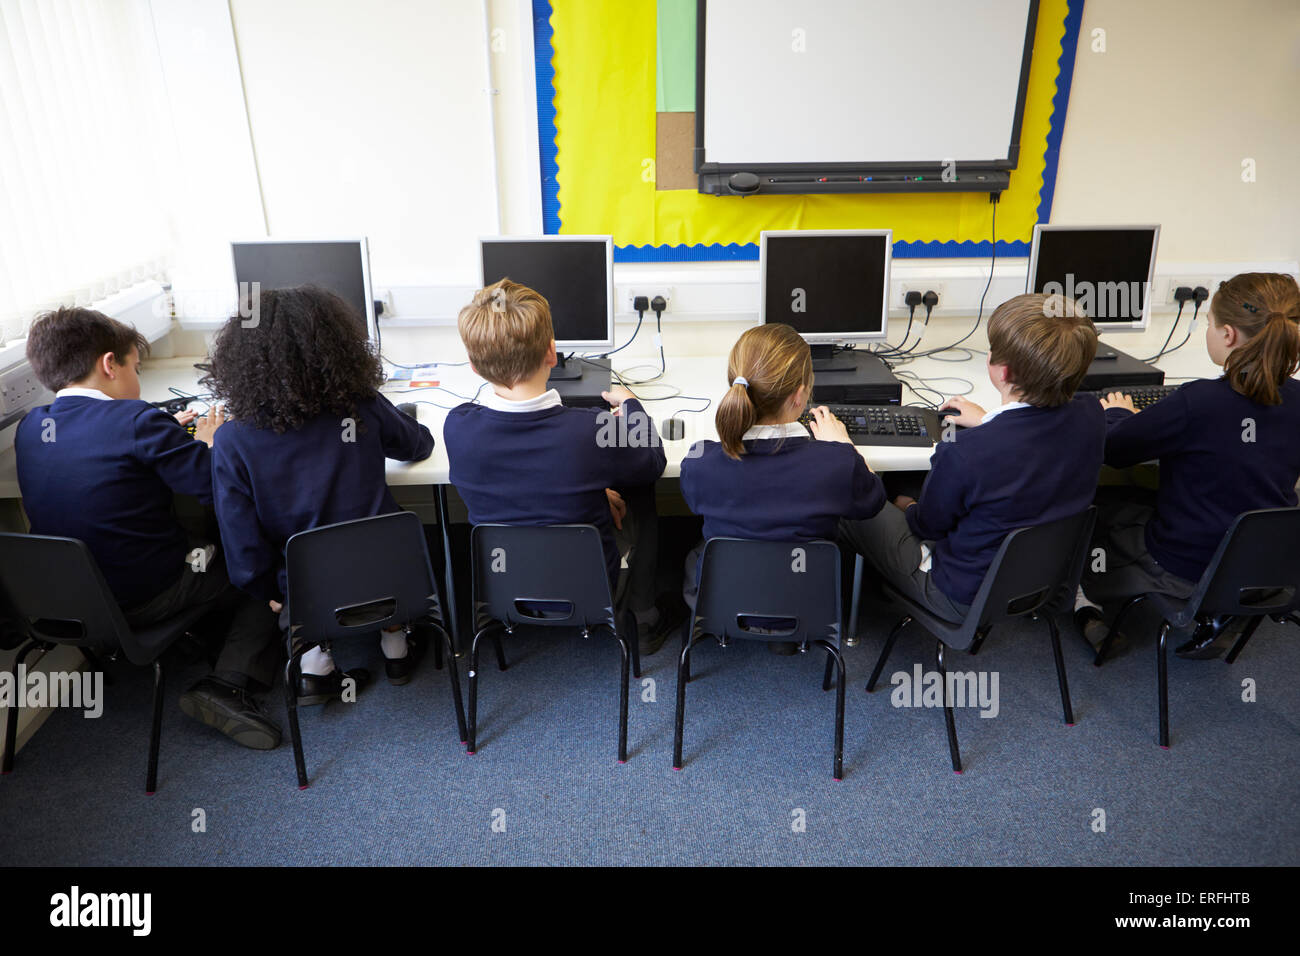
x: 949, y: 412
x: 409, y: 408
x: 674, y: 429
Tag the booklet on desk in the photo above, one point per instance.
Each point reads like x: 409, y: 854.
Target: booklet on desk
x: 417, y: 376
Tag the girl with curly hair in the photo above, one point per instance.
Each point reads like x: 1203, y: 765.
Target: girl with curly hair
x: 305, y: 447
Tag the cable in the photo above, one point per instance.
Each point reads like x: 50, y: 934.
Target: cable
x: 993, y: 198
x: 1199, y: 295
x: 657, y: 305
x: 640, y: 305
x: 1181, y: 294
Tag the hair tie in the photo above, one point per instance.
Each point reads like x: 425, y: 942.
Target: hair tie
x: 740, y: 380
x: 1276, y: 315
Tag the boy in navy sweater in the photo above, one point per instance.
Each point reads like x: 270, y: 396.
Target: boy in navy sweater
x: 306, y: 448
x: 1225, y: 446
x: 101, y: 465
x: 523, y: 458
x: 1033, y: 460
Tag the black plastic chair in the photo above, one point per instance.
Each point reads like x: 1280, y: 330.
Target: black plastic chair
x: 1035, y: 571
x: 57, y: 592
x: 549, y: 576
x: 1255, y: 573
x: 767, y: 591
x: 353, y: 578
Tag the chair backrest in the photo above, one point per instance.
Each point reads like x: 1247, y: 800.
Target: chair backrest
x: 55, y: 588
x: 1030, y: 569
x: 552, y: 575
x: 769, y: 590
x: 358, y: 576
x: 1255, y: 570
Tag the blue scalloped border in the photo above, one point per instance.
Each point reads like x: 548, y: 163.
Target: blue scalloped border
x: 543, y: 52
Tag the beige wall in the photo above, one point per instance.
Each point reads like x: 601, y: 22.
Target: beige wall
x: 1159, y: 124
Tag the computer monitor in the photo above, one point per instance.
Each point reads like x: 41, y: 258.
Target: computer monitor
x: 340, y: 265
x: 575, y: 274
x: 831, y: 286
x: 1108, y: 270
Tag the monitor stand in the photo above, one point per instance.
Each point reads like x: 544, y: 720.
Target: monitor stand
x: 830, y: 358
x: 568, y: 368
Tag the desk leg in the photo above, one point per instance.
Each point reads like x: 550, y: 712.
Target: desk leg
x: 449, y: 578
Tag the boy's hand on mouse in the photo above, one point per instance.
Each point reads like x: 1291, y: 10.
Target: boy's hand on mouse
x: 1119, y: 400
x: 617, y: 507
x: 826, y: 427
x: 186, y: 416
x: 206, y: 426
x: 616, y: 396
x: 968, y: 413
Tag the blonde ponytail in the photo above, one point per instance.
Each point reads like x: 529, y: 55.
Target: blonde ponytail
x: 767, y: 365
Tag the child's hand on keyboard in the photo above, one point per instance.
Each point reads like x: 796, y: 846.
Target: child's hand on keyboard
x: 1118, y: 400
x: 968, y: 413
x: 826, y: 427
x: 207, y: 425
x: 186, y: 416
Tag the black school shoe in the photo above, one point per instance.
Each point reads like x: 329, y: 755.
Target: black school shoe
x: 1211, y: 638
x: 672, y: 612
x: 1094, y: 628
x: 231, y: 710
x: 317, y: 689
x: 400, y: 670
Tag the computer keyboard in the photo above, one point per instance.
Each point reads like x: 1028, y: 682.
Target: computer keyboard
x: 896, y: 425
x: 1142, y: 395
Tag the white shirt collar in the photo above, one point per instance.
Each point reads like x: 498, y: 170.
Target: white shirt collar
x: 989, y: 416
x: 548, y: 399
x: 788, y: 430
x: 75, y: 392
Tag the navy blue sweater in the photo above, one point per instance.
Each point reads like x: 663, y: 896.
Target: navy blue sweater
x: 550, y: 466
x: 1027, y: 466
x: 1209, y: 471
x: 107, y: 477
x: 791, y: 489
x: 268, y: 487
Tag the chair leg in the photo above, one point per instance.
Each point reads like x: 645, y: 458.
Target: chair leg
x: 1162, y: 676
x: 826, y: 677
x: 978, y: 642
x: 1114, y: 628
x: 884, y: 654
x: 634, y: 642
x: 449, y: 580
x: 473, y: 689
x: 686, y: 639
x: 855, y: 604
x: 454, y: 674
x: 155, y: 732
x: 833, y: 656
x: 1060, y: 671
x: 1241, y: 641
x: 11, y: 713
x: 683, y: 677
x: 291, y: 669
x: 622, y: 697
x: 947, y: 709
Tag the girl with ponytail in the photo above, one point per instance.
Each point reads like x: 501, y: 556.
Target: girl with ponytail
x: 767, y: 478
x: 1225, y: 446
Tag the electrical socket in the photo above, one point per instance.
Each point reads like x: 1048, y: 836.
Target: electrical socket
x: 939, y: 288
x: 630, y: 294
x: 1191, y: 283
x: 20, y: 390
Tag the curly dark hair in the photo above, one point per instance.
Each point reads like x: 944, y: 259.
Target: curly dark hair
x: 306, y: 354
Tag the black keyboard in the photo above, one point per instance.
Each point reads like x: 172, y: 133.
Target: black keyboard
x: 896, y: 425
x: 1142, y: 395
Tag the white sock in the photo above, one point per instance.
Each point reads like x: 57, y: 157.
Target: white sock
x: 1081, y: 601
x: 393, y: 644
x: 317, y: 662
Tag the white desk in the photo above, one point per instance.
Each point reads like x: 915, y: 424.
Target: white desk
x: 694, y: 376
